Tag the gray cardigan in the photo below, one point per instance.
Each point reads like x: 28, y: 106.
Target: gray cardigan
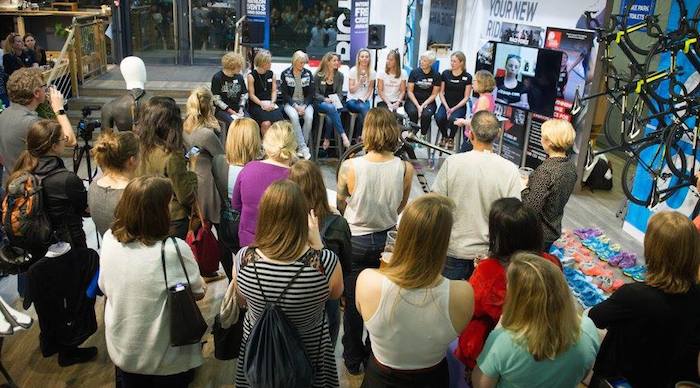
x: 319, y: 87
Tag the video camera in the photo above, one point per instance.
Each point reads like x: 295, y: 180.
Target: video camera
x: 87, y: 126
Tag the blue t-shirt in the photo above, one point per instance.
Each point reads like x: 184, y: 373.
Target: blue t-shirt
x: 514, y: 366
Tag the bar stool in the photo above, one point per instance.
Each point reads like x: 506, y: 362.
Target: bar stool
x: 351, y: 128
x: 319, y: 135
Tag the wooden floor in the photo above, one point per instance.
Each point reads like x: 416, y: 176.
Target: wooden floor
x: 23, y: 359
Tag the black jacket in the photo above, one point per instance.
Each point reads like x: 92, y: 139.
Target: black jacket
x: 65, y: 199
x: 336, y: 237
x: 287, y: 83
x: 57, y: 288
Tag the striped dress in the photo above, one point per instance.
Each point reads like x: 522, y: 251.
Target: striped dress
x: 303, y: 304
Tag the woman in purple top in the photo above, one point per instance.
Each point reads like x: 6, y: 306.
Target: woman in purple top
x: 280, y: 147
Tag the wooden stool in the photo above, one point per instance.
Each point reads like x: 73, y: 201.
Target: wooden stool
x: 319, y: 135
x: 351, y: 128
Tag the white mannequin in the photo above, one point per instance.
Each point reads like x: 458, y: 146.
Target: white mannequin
x: 134, y: 72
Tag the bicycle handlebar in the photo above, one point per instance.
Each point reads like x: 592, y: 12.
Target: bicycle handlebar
x: 410, y: 137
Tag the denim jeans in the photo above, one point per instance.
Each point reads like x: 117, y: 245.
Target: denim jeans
x: 332, y: 119
x: 458, y: 269
x: 302, y: 134
x: 361, y: 108
x: 366, y: 252
x: 333, y: 313
x: 443, y: 121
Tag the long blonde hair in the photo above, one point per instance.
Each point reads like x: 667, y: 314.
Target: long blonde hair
x: 357, y: 62
x: 282, y: 230
x: 279, y: 142
x: 243, y: 141
x: 420, y: 251
x: 200, y: 110
x: 539, y: 309
x: 325, y: 66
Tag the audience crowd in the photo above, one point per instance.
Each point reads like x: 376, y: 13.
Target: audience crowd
x: 465, y: 267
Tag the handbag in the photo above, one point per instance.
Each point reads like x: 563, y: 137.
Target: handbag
x: 228, y: 228
x: 228, y: 326
x: 187, y: 326
x: 203, y: 243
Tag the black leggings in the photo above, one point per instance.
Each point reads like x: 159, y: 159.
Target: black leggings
x: 425, y: 117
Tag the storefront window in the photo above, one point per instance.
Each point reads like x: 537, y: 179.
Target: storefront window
x: 441, y: 28
x: 303, y: 25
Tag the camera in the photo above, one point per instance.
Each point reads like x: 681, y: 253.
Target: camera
x: 87, y: 126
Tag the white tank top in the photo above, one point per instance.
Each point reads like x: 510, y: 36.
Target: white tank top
x: 411, y: 329
x: 377, y: 196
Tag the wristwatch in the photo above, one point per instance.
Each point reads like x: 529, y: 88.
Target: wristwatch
x: 61, y: 112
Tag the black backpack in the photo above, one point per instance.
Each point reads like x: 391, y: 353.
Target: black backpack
x: 275, y: 355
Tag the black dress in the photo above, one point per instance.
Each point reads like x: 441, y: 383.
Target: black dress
x: 263, y: 90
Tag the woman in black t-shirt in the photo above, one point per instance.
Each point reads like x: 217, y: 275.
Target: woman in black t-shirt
x: 509, y: 90
x: 15, y: 56
x: 653, y: 336
x: 454, y: 93
x: 228, y: 87
x: 423, y: 88
x: 262, y: 92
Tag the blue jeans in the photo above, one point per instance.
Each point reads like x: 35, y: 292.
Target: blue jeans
x: 366, y: 252
x: 466, y: 145
x: 443, y: 121
x: 361, y: 108
x: 333, y: 312
x: 332, y: 119
x: 458, y: 269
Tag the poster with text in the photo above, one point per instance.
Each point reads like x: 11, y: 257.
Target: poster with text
x: 512, y: 143
x: 535, y: 154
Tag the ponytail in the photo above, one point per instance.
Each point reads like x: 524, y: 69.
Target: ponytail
x: 113, y: 150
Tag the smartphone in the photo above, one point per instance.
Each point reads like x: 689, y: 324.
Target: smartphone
x: 194, y: 151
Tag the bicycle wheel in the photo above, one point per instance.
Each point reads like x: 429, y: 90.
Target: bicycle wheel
x: 678, y: 164
x: 646, y: 174
x: 638, y: 41
x: 354, y: 151
x: 621, y: 127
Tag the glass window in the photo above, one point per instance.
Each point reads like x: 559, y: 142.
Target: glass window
x: 441, y: 28
x: 304, y: 25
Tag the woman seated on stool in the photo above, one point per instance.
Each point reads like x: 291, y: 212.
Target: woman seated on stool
x: 297, y: 97
x: 454, y: 93
x: 391, y: 84
x: 543, y: 342
x: 411, y: 311
x: 423, y: 88
x: 228, y: 87
x: 262, y: 92
x: 329, y: 81
x: 361, y: 86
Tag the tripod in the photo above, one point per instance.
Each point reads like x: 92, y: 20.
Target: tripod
x: 78, y: 155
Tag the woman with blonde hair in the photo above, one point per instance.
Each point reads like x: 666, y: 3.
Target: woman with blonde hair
x: 15, y: 56
x: 411, y: 311
x: 200, y: 135
x: 423, y: 88
x: 280, y: 145
x: 117, y: 154
x: 543, y: 342
x: 372, y: 190
x: 288, y: 255
x: 361, y: 87
x: 455, y: 90
x: 653, y: 328
x: 262, y: 92
x: 228, y: 87
x: 329, y: 81
x: 242, y: 146
x: 297, y: 97
x: 484, y: 85
x: 549, y: 187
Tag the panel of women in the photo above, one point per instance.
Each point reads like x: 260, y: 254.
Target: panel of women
x: 542, y: 341
x: 551, y: 184
x: 423, y: 88
x: 36, y: 52
x: 242, y: 146
x: 372, y: 190
x: 137, y: 320
x: 163, y: 154
x: 484, y: 85
x: 361, y: 87
x: 653, y: 328
x: 65, y: 204
x: 511, y: 90
x: 298, y: 96
x: 15, y: 56
x: 329, y: 81
x: 335, y: 232
x: 228, y: 87
x: 280, y: 146
x: 391, y: 83
x: 411, y: 311
x: 262, y: 92
x: 117, y: 155
x: 455, y: 90
x: 288, y: 242
x: 512, y: 227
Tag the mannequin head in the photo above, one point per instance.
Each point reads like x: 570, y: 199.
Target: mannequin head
x: 134, y: 72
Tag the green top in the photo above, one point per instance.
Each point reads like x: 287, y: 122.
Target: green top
x: 514, y: 366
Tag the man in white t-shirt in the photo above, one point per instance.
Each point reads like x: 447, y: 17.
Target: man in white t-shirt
x: 474, y: 180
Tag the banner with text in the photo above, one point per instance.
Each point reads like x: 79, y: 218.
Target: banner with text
x: 258, y: 14
x: 352, y: 26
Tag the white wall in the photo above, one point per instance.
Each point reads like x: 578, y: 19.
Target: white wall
x: 391, y: 13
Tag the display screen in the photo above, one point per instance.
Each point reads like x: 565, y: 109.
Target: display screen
x: 526, y: 77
